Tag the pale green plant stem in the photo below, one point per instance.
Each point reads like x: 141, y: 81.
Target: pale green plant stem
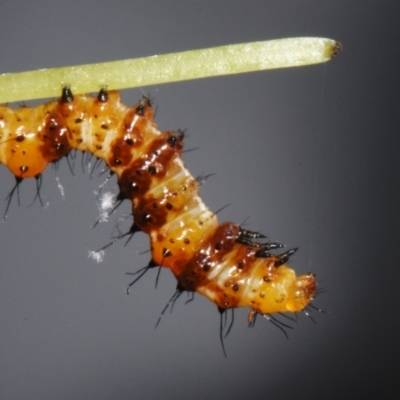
x: 193, y: 64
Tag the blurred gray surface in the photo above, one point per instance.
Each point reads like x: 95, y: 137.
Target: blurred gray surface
x: 307, y: 156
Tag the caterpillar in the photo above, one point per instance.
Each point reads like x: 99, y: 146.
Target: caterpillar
x: 231, y: 266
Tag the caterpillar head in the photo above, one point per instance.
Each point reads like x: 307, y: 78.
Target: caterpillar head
x: 301, y: 292
x: 278, y: 289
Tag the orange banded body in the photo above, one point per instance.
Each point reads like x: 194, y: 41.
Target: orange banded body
x: 223, y: 262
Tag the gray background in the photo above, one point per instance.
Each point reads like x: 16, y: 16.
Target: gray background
x: 309, y: 156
